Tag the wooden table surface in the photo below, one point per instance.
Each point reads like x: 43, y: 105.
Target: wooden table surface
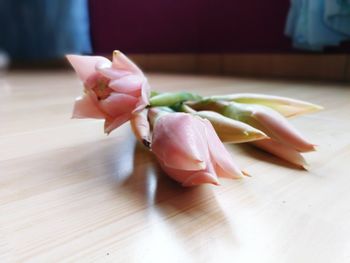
x: 70, y: 193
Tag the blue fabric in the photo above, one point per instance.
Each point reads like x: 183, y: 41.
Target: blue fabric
x: 314, y: 24
x: 44, y: 29
x: 337, y: 15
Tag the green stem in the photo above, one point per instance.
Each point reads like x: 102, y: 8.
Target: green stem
x: 170, y: 99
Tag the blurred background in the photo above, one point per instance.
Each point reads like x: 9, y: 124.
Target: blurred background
x: 305, y: 39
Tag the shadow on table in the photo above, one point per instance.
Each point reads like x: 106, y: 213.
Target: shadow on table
x: 126, y: 170
x: 156, y: 188
x: 178, y: 206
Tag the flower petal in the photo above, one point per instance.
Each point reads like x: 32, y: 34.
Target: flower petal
x: 145, y: 94
x: 109, y: 72
x: 111, y: 124
x: 224, y: 165
x: 141, y: 127
x: 130, y: 84
x: 201, y: 177
x: 282, y: 151
x: 117, y: 104
x: 85, y: 107
x: 84, y: 66
x: 120, y: 61
x: 190, y: 178
x: 177, y: 142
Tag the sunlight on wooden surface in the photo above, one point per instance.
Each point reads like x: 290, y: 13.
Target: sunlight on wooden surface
x: 70, y: 193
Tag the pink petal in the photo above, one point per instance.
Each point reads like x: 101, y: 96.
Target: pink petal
x: 224, y: 165
x: 130, y: 84
x: 178, y: 144
x: 84, y: 66
x: 141, y: 127
x: 112, y: 124
x: 117, y: 104
x: 201, y: 177
x: 109, y: 72
x: 120, y: 61
x: 145, y: 94
x: 85, y: 107
x: 190, y: 178
x: 278, y: 127
x: 283, y: 151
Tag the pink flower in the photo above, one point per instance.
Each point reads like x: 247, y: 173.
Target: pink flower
x: 112, y: 90
x: 190, y: 151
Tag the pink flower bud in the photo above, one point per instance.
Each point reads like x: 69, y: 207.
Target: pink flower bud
x: 267, y: 120
x: 190, y: 151
x: 277, y: 127
x: 282, y: 151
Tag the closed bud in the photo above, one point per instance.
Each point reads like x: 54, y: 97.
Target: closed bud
x: 260, y: 117
x: 229, y: 130
x: 189, y: 150
x: 270, y: 122
x: 286, y: 106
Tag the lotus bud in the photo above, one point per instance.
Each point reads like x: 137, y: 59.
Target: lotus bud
x: 228, y: 130
x: 272, y: 123
x: 189, y: 150
x: 260, y: 117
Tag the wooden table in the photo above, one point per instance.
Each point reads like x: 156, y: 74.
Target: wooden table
x: 70, y: 193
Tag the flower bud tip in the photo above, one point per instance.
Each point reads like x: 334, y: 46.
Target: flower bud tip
x: 116, y: 52
x: 146, y: 143
x: 305, y: 167
x: 201, y: 178
x: 245, y: 173
x: 202, y: 165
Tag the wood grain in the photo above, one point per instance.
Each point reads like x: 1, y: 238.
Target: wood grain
x: 68, y: 193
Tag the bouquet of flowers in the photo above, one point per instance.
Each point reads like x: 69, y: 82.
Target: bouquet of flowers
x: 184, y: 130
